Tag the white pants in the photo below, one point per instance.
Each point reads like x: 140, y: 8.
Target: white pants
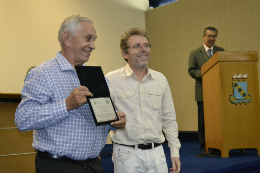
x: 134, y: 160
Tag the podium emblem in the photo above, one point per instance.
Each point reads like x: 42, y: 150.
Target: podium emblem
x: 240, y: 90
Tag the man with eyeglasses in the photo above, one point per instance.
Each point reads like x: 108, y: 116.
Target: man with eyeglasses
x: 145, y: 97
x: 197, y: 58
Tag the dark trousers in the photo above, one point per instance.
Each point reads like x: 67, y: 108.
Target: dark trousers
x: 201, y: 127
x: 50, y: 165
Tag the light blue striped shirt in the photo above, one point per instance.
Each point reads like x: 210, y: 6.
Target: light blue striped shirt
x: 57, y: 131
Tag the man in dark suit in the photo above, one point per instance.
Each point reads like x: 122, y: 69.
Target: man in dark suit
x: 197, y: 58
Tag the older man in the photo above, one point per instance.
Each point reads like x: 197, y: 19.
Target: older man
x: 145, y: 96
x: 54, y: 105
x: 197, y: 58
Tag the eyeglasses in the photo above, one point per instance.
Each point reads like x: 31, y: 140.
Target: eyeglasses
x: 139, y: 46
x: 211, y: 36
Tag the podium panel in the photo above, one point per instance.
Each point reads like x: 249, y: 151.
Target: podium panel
x: 231, y: 124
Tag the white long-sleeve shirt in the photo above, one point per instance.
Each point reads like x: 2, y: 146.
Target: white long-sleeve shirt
x: 148, y: 106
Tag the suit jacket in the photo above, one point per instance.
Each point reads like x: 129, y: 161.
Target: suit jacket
x: 197, y: 58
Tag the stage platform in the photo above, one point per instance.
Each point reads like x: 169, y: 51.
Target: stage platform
x: 246, y: 162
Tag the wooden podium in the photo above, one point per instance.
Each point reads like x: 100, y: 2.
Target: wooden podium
x: 229, y: 125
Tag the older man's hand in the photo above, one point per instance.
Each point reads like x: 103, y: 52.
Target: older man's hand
x: 122, y: 121
x: 77, y: 97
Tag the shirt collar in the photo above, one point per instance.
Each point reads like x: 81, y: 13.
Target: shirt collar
x: 64, y: 63
x: 149, y: 72
x: 206, y: 48
x: 129, y: 71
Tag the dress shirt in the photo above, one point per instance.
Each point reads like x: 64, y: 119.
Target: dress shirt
x: 148, y: 106
x: 57, y: 131
x: 206, y: 48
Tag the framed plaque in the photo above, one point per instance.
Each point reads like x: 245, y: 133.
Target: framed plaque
x: 101, y: 105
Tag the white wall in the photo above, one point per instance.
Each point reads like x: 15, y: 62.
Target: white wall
x: 28, y: 33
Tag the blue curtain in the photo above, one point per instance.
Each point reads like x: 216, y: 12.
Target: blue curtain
x: 158, y: 3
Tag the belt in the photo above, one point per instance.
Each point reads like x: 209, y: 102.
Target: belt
x: 63, y: 158
x: 143, y: 146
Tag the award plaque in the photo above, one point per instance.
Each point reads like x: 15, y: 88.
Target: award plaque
x: 101, y: 105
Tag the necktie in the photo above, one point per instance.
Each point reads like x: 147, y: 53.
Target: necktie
x: 209, y: 53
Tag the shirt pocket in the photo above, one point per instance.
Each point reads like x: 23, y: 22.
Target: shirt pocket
x: 155, y: 98
x: 125, y: 101
x: 124, y: 95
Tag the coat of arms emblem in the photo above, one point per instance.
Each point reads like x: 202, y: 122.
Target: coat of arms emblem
x: 240, y: 90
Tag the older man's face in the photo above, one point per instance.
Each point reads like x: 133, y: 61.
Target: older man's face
x: 83, y: 43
